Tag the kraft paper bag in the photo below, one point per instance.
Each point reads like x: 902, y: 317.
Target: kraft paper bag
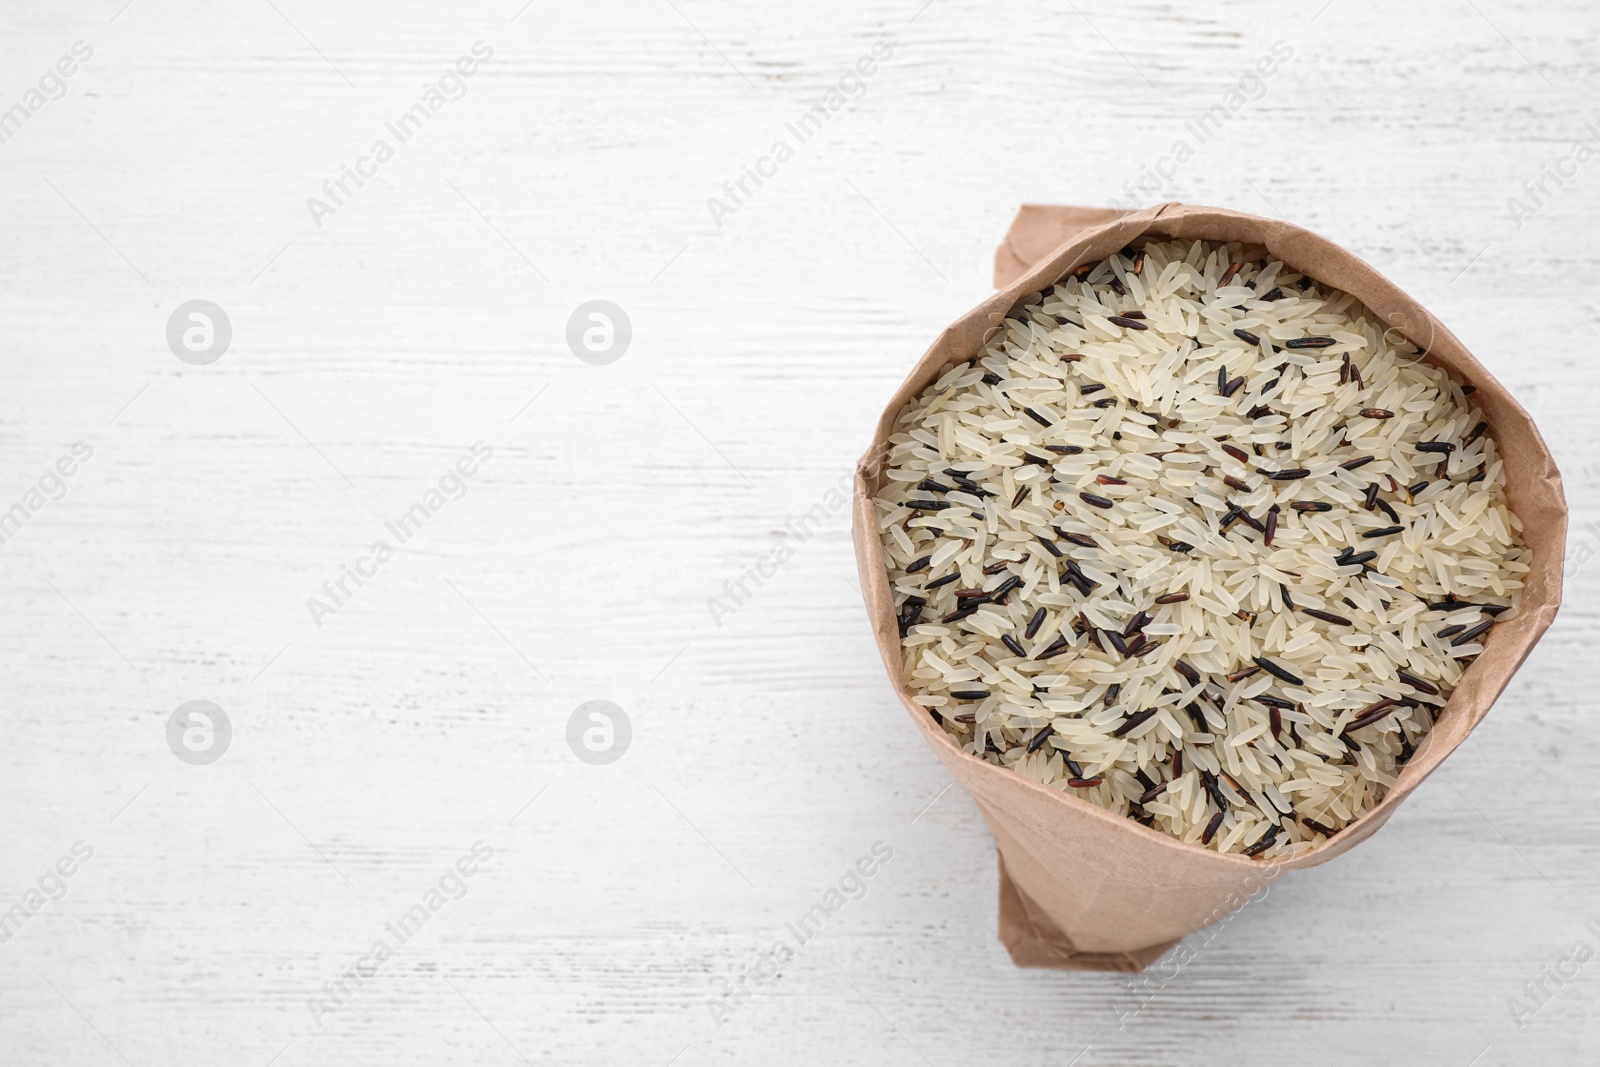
x: 1080, y: 887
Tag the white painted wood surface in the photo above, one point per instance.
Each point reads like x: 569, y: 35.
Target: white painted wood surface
x: 767, y: 755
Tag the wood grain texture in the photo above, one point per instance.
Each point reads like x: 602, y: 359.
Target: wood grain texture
x: 768, y: 754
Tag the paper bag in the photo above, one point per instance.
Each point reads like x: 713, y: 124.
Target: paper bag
x: 1083, y: 888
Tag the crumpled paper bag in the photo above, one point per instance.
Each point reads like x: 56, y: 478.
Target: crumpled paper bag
x: 1080, y: 887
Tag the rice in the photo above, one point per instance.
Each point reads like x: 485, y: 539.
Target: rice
x: 1194, y: 540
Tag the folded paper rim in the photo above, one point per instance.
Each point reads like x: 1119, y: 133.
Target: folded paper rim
x: 1093, y: 233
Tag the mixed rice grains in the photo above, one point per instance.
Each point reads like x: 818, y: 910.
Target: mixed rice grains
x: 1194, y: 539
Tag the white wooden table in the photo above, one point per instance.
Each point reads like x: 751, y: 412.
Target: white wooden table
x: 377, y: 338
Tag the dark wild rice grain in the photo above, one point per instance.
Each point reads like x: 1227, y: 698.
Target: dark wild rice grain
x: 1265, y: 842
x: 1468, y: 635
x: 1058, y: 646
x: 1418, y: 684
x: 1114, y: 639
x: 1133, y: 722
x: 1328, y: 616
x: 1034, y: 624
x: 1276, y: 671
x: 1012, y: 582
x: 1371, y: 714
